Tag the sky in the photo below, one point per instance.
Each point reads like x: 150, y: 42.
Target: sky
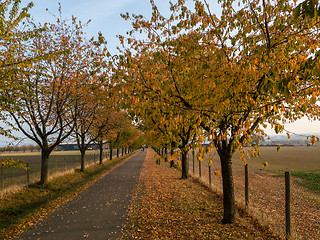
x: 105, y: 17
x: 104, y: 14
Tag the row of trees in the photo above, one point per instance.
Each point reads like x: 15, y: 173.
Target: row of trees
x: 56, y: 85
x: 196, y: 75
x: 23, y: 148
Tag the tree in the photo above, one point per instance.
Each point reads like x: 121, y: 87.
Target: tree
x: 156, y: 75
x: 125, y: 134
x: 13, y: 37
x: 252, y: 65
x: 165, y: 125
x: 92, y: 106
x: 45, y: 111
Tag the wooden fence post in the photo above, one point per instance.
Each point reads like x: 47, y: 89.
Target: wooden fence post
x: 288, y: 213
x: 246, y: 185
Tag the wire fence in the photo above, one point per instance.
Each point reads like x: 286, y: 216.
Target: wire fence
x: 59, y: 162
x: 265, y: 197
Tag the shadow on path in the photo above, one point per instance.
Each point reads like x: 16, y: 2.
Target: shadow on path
x: 96, y: 213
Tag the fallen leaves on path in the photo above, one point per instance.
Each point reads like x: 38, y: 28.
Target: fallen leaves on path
x: 166, y: 207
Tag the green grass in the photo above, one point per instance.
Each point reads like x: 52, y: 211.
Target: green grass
x: 309, y: 179
x: 22, y: 209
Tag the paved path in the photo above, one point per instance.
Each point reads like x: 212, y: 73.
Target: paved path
x: 96, y: 213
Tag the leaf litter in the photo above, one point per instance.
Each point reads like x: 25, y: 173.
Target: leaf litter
x: 166, y: 207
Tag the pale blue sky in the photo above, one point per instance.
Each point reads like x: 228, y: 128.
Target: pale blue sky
x: 104, y: 14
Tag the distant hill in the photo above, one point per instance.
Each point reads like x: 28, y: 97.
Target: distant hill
x: 295, y: 139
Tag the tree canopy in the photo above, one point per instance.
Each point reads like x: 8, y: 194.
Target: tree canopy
x: 254, y: 63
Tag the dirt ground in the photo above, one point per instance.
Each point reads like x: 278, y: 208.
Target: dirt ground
x: 267, y: 188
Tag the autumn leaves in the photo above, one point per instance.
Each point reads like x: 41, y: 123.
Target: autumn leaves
x: 221, y: 74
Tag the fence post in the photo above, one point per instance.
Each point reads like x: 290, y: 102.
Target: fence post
x: 2, y: 177
x: 28, y: 174
x: 246, y: 184
x: 288, y: 214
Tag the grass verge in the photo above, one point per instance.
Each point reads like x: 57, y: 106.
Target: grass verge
x: 24, y: 208
x: 308, y: 179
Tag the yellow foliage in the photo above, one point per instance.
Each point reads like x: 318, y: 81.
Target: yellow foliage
x: 10, y: 162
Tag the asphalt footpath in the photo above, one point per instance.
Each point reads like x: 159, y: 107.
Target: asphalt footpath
x: 96, y: 213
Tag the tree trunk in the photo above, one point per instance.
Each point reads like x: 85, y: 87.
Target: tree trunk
x: 166, y: 154
x: 111, y: 150
x: 83, y: 152
x: 44, y: 166
x: 172, y: 161
x: 184, y: 164
x: 117, y: 152
x: 125, y: 150
x: 100, y: 153
x: 229, y: 215
x: 193, y: 161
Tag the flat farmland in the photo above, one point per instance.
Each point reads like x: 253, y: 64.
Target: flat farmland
x: 267, y: 187
x: 288, y: 158
x: 59, y: 161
